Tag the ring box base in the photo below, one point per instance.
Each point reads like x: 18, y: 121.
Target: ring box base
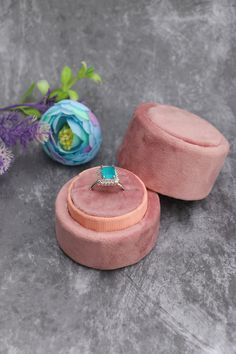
x: 106, y: 250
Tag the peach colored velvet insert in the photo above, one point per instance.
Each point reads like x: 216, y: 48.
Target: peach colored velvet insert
x: 98, y: 223
x: 107, y: 201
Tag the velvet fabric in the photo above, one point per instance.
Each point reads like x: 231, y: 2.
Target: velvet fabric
x: 174, y: 152
x: 107, y: 201
x: 107, y: 208
x: 106, y: 250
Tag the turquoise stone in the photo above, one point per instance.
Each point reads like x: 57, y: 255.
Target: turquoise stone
x: 108, y: 172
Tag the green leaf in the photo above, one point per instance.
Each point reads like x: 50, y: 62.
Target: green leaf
x: 28, y: 93
x: 59, y: 94
x: 62, y: 96
x: 29, y: 111
x: 55, y: 92
x: 89, y: 73
x: 72, y: 82
x: 95, y: 77
x: 73, y: 95
x: 43, y: 86
x: 82, y: 71
x: 66, y: 75
x: 90, y: 70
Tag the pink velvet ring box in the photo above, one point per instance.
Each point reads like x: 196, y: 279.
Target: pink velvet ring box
x: 174, y: 152
x: 106, y: 228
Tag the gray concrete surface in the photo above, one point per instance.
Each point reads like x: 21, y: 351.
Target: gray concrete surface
x: 181, y: 298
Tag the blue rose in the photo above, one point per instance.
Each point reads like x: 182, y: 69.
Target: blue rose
x: 75, y: 133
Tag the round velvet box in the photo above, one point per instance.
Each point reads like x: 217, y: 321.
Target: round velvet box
x: 174, y: 152
x: 106, y: 228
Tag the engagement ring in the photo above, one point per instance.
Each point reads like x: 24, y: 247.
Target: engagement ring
x: 108, y: 177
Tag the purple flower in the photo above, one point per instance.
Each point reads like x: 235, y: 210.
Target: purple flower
x: 42, y: 106
x: 6, y: 158
x: 16, y: 129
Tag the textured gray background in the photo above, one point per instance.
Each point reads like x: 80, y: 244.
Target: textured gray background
x: 179, y: 299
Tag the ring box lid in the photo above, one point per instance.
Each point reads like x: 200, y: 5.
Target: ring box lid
x: 184, y: 125
x: 174, y: 152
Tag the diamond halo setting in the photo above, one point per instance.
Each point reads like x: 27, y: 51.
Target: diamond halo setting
x: 107, y: 177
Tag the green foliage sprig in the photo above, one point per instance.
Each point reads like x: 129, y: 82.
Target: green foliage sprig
x: 68, y: 80
x: 31, y: 106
